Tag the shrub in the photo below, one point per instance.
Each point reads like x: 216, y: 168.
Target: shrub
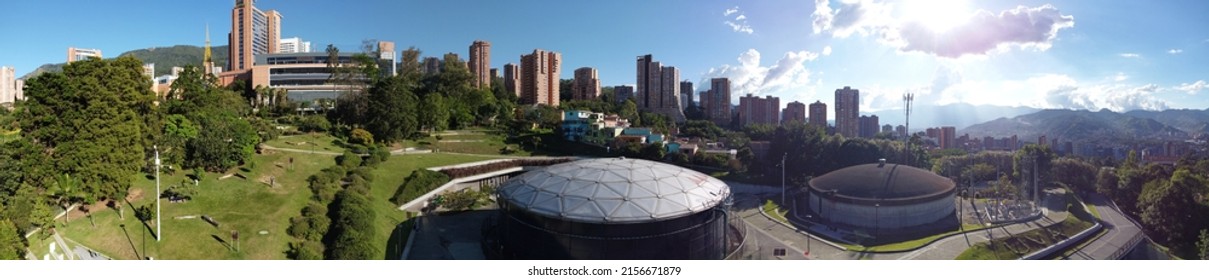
x: 314, y: 123
x: 306, y: 250
x: 361, y: 137
x: 418, y: 183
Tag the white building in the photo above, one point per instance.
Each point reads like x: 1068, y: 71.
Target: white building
x: 8, y: 84
x: 294, y: 45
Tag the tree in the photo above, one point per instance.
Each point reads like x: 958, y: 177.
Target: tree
x: 1168, y: 209
x: 1202, y: 245
x: 1033, y: 161
x: 96, y: 117
x: 393, y: 110
x: 225, y: 141
x: 314, y: 123
x: 629, y: 111
x: 12, y: 244
x: 352, y: 232
x: 436, y: 115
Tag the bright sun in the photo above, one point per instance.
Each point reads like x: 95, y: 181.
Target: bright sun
x: 936, y: 15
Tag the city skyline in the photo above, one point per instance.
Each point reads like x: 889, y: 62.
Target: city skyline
x: 1082, y: 56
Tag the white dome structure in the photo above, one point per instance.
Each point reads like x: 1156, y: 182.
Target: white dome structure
x: 613, y: 208
x: 614, y: 190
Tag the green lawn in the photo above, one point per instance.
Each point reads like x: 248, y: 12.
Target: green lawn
x: 774, y: 211
x: 316, y: 141
x: 247, y: 205
x: 387, y: 178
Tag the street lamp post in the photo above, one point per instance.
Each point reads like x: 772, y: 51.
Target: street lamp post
x: 158, y: 233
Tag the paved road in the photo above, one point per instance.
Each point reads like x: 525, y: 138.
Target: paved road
x: 1121, y: 231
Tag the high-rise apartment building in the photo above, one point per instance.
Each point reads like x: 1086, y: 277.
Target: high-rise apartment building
x: 8, y: 84
x: 818, y: 114
x: 539, y: 77
x: 586, y: 85
x: 432, y: 66
x: 495, y: 73
x: 686, y: 94
x: 847, y: 107
x: 794, y: 112
x: 888, y: 129
x: 757, y: 110
x: 253, y: 32
x: 868, y: 126
x: 20, y: 86
x: 900, y: 130
x: 294, y: 45
x: 947, y: 137
x: 480, y: 64
x: 658, y: 88
x: 76, y: 54
x: 512, y: 79
x: 718, y: 106
x: 623, y: 92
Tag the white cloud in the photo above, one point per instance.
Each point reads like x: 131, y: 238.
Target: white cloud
x: 1026, y: 27
x: 737, y: 27
x: 1175, y: 51
x: 1042, y: 91
x: 852, y: 16
x: 749, y: 76
x: 1120, y: 77
x: 1192, y: 88
x: 739, y: 23
x: 827, y: 50
x: 730, y: 11
x: 1130, y: 55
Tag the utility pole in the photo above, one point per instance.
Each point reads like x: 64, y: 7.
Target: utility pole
x: 158, y: 233
x: 907, y: 99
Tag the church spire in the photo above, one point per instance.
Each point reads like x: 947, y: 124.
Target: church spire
x: 207, y: 61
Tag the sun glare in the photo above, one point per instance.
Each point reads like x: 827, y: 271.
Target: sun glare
x: 937, y: 15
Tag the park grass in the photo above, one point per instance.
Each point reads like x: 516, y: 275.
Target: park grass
x: 317, y: 141
x: 775, y: 211
x: 387, y: 178
x: 246, y: 205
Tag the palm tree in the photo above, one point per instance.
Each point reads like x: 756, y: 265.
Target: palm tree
x: 66, y: 191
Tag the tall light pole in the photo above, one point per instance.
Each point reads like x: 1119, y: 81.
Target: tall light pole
x: 158, y: 232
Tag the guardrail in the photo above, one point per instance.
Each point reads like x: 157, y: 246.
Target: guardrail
x: 1061, y: 245
x: 1133, y: 242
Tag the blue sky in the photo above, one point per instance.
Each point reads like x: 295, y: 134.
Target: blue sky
x: 1118, y: 55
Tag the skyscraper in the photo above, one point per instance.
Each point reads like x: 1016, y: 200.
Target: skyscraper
x: 818, y: 114
x: 647, y: 90
x: 75, y: 54
x: 719, y: 100
x: 847, y: 107
x: 539, y: 77
x: 868, y: 126
x: 253, y: 32
x: 686, y: 94
x: 794, y: 112
x: 586, y: 85
x: 432, y: 66
x: 757, y: 110
x: 480, y: 64
x: 669, y: 92
x: 512, y: 79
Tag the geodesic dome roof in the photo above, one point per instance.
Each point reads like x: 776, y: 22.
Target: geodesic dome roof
x: 614, y: 190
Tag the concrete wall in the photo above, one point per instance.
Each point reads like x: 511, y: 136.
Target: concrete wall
x: 895, y: 216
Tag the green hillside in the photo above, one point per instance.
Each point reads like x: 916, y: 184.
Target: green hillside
x: 164, y: 58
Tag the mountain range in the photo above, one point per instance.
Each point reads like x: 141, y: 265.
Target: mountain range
x: 1096, y: 126
x: 955, y: 115
x: 164, y: 58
